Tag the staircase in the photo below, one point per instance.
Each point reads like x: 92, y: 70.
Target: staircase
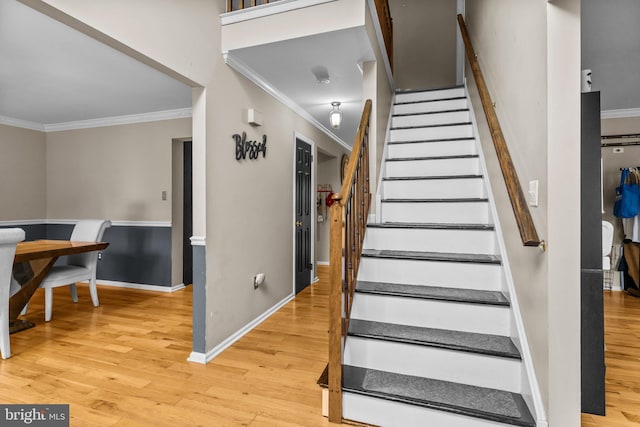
x: 431, y: 338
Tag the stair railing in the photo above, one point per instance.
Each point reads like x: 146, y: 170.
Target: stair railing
x: 242, y: 4
x: 386, y: 25
x: 349, y: 214
x: 527, y: 228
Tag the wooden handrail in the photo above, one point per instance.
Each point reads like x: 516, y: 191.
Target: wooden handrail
x: 527, y: 228
x: 349, y: 215
x: 386, y: 24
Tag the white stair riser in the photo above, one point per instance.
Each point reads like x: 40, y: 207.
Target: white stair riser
x: 434, y: 189
x: 464, y: 275
x: 430, y: 149
x: 427, y: 240
x: 436, y: 363
x: 386, y: 413
x: 433, y: 167
x: 456, y: 92
x: 431, y: 133
x: 445, y: 212
x: 431, y: 119
x: 430, y: 106
x: 480, y: 318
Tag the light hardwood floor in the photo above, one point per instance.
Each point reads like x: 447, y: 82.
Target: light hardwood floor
x: 622, y: 358
x: 124, y: 363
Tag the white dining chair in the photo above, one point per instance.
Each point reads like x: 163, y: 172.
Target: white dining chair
x: 9, y: 238
x: 80, y: 267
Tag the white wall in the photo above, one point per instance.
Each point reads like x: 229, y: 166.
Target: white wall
x: 529, y: 52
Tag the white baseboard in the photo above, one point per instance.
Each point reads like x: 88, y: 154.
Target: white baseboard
x: 144, y: 287
x: 208, y: 356
x: 322, y: 262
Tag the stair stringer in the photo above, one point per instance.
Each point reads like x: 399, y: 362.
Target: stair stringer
x: 376, y: 218
x: 530, y: 386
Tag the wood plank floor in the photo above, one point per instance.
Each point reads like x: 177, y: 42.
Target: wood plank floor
x: 124, y: 363
x: 622, y: 358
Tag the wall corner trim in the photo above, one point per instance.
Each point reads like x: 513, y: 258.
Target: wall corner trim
x: 154, y: 116
x: 197, y: 357
x: 198, y: 240
x: 25, y: 124
x: 211, y: 354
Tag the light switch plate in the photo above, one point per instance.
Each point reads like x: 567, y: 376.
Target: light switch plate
x: 533, y: 193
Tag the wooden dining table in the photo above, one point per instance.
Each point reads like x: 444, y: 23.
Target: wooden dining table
x: 32, y: 262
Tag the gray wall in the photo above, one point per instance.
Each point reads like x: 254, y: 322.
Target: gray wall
x: 611, y: 49
x: 424, y: 43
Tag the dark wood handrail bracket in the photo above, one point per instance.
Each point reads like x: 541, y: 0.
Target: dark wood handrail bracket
x: 527, y: 228
x: 348, y: 221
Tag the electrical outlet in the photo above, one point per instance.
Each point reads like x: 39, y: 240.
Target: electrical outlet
x: 618, y: 150
x: 99, y: 256
x: 164, y: 195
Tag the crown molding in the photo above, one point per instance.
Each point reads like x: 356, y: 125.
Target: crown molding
x: 114, y: 223
x: 620, y: 114
x: 257, y: 79
x: 267, y: 9
x: 120, y: 120
x: 25, y: 124
x: 155, y: 116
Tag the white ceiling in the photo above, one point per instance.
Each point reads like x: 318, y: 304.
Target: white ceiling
x: 288, y: 67
x: 51, y: 73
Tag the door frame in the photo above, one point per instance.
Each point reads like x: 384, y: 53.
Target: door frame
x: 297, y: 135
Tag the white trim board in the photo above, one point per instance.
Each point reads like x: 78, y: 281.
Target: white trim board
x: 114, y: 223
x: 140, y: 286
x: 267, y: 10
x: 154, y: 116
x: 204, y: 358
x: 620, y: 114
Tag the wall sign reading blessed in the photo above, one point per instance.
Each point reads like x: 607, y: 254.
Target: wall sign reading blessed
x: 249, y: 149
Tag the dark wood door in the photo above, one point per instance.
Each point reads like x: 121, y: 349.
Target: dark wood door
x: 187, y: 225
x: 303, y: 215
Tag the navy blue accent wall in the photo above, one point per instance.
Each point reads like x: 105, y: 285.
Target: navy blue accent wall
x: 32, y: 231
x: 136, y: 254
x: 199, y: 306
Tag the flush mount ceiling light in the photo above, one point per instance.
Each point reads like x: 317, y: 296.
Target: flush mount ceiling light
x: 321, y: 74
x: 335, y: 115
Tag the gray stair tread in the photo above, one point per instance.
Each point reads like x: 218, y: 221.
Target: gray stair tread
x: 493, y: 345
x: 466, y: 138
x: 432, y: 226
x: 432, y: 256
x: 456, y: 200
x: 435, y: 89
x: 437, y: 125
x: 459, y: 156
x: 434, y: 292
x: 424, y: 113
x: 424, y: 178
x: 454, y: 98
x: 480, y: 402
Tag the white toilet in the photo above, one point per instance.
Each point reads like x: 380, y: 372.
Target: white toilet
x: 607, y: 241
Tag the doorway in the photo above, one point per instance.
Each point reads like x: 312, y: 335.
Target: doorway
x: 182, y: 212
x: 303, y: 229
